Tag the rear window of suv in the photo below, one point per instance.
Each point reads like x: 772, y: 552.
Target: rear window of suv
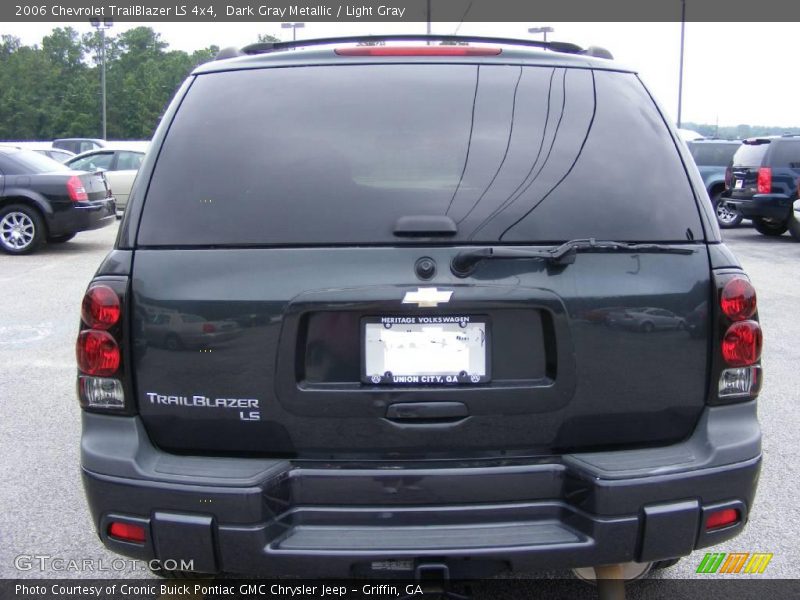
x: 712, y: 154
x: 335, y: 155
x: 751, y: 153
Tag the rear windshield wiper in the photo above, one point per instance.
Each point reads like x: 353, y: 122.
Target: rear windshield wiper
x: 464, y: 262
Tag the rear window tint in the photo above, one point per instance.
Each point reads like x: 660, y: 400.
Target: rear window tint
x: 785, y: 154
x: 750, y: 154
x: 712, y: 155
x: 335, y: 155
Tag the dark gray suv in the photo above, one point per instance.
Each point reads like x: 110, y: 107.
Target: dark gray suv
x: 412, y: 274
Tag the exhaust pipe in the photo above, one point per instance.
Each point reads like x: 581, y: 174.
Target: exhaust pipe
x: 610, y: 579
x: 625, y: 571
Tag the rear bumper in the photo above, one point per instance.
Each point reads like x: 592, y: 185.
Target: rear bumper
x: 765, y: 206
x: 82, y: 216
x: 277, y: 517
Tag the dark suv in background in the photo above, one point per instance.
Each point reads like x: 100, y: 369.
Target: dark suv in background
x: 413, y: 247
x: 763, y: 183
x: 713, y: 157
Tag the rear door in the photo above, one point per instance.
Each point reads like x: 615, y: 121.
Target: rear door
x: 296, y: 239
x: 749, y: 158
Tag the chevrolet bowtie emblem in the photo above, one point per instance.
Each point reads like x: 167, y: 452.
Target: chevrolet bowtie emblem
x: 427, y: 297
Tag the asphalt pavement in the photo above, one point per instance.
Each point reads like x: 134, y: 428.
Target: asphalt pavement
x: 42, y: 508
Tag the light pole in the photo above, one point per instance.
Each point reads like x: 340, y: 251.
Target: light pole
x: 428, y: 31
x: 680, y: 72
x: 101, y: 26
x: 542, y: 30
x: 294, y: 27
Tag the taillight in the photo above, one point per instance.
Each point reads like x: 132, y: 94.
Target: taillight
x: 98, y: 348
x: 741, y: 345
x: 728, y: 178
x: 101, y: 308
x: 126, y: 532
x: 75, y: 189
x: 722, y: 518
x: 209, y: 328
x: 764, y: 180
x: 741, y: 340
x: 418, y: 51
x: 98, y: 353
x: 738, y: 299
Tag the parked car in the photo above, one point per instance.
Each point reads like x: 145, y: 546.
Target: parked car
x: 646, y: 319
x: 78, y: 145
x: 689, y: 135
x: 61, y: 156
x: 175, y: 330
x: 763, y: 183
x: 712, y: 158
x: 418, y: 383
x: 41, y: 199
x: 119, y: 161
x: 45, y: 148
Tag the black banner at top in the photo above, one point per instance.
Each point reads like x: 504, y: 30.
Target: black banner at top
x: 399, y: 11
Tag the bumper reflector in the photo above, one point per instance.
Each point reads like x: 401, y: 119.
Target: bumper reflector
x: 100, y: 392
x: 722, y: 518
x: 743, y: 382
x: 126, y: 532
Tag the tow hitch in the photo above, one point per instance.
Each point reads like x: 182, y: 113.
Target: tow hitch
x: 435, y: 581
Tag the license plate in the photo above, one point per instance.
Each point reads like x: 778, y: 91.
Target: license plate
x: 419, y: 350
x: 738, y: 184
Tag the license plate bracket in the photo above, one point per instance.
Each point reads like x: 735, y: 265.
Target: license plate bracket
x: 425, y: 350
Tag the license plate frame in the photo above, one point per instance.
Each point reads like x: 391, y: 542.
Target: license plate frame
x: 411, y: 325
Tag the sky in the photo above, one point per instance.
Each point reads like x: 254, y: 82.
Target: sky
x: 734, y: 73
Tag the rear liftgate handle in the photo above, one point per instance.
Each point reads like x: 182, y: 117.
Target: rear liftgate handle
x: 424, y: 413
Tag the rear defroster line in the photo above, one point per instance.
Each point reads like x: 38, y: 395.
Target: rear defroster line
x: 514, y: 196
x: 572, y: 166
x: 469, y: 141
x: 505, y: 154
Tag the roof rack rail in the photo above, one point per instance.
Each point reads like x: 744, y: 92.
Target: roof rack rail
x: 267, y: 47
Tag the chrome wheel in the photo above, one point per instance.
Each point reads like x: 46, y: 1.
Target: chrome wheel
x: 725, y: 214
x: 17, y: 231
x: 726, y: 217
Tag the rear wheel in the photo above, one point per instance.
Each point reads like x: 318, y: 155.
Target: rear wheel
x: 60, y: 239
x: 726, y: 217
x: 21, y: 229
x: 768, y: 227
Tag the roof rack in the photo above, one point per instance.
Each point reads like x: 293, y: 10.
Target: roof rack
x: 268, y: 47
